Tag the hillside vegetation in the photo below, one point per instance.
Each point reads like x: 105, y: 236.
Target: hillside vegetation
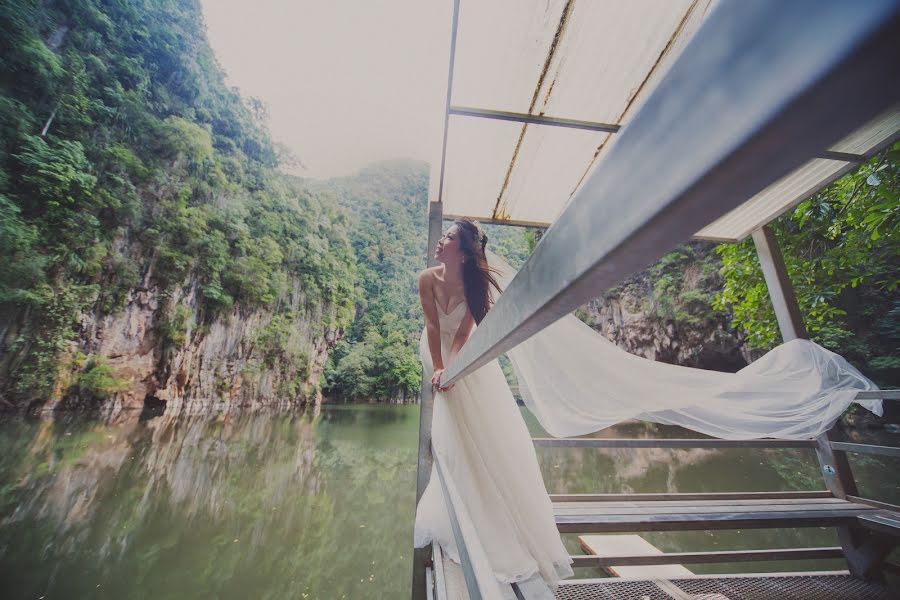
x: 126, y: 164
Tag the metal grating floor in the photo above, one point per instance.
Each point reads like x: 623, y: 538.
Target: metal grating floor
x: 799, y: 587
x: 614, y: 590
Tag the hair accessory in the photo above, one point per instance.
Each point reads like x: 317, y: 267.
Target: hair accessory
x: 482, y: 236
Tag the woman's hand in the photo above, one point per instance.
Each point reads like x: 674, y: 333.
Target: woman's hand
x: 436, y: 380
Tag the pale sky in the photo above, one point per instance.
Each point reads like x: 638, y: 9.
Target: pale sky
x: 346, y: 82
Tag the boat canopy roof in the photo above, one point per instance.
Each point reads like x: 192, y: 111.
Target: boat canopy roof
x: 542, y: 90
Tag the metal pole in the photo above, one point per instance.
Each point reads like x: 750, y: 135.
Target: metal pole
x: 503, y: 115
x: 422, y: 556
x: 440, y: 197
x: 834, y: 464
x: 464, y: 559
x: 787, y: 311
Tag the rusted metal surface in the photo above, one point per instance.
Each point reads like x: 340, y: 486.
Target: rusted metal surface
x: 659, y: 59
x: 500, y: 207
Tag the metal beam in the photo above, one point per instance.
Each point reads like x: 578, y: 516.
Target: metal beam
x: 754, y: 95
x: 781, y: 292
x: 502, y: 115
x: 833, y: 462
x: 440, y: 579
x: 464, y: 559
x: 875, y: 503
x: 421, y: 556
x: 866, y: 449
x: 651, y: 497
x: 668, y: 443
x: 878, y: 395
x: 492, y: 221
x: 845, y: 156
x: 693, y: 558
x: 834, y: 466
x: 452, y: 62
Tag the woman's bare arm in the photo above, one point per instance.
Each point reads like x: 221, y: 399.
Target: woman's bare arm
x: 432, y: 324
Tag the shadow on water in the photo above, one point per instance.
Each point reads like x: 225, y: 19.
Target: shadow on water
x: 294, y: 505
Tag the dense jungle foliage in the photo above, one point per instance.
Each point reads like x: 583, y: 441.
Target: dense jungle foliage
x: 126, y: 162
x: 386, y: 204
x: 842, y: 252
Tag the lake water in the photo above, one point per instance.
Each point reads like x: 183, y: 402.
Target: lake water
x: 294, y: 505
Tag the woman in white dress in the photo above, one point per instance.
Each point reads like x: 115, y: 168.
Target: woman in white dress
x: 478, y: 433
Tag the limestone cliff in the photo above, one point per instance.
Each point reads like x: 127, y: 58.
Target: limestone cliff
x: 226, y: 362
x: 667, y: 313
x: 150, y: 246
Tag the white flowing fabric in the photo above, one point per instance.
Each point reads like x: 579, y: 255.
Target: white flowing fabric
x: 577, y: 382
x: 494, y: 482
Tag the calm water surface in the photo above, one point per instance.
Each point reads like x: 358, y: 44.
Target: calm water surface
x: 263, y: 505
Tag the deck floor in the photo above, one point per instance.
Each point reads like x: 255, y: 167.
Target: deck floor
x: 818, y: 586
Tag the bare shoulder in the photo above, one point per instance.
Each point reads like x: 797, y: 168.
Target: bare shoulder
x: 427, y: 276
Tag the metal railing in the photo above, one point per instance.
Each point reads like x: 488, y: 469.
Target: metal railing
x: 753, y: 96
x: 704, y: 159
x: 460, y: 539
x: 464, y: 537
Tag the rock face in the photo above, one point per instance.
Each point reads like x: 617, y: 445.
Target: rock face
x: 712, y: 345
x: 665, y: 313
x: 218, y: 364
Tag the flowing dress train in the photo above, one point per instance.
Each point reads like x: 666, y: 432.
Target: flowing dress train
x: 486, y: 451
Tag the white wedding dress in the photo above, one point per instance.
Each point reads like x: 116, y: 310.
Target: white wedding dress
x: 575, y: 381
x: 486, y: 452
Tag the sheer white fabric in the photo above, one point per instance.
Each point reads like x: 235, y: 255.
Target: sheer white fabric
x: 490, y: 585
x: 491, y: 468
x: 576, y: 382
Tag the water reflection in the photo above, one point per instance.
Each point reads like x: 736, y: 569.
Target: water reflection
x: 230, y: 506
x: 287, y: 505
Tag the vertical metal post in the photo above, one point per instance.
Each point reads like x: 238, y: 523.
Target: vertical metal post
x: 787, y: 311
x: 435, y: 215
x: 834, y: 464
x: 464, y: 560
x: 422, y: 556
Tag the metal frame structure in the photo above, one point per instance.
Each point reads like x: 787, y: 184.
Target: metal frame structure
x: 503, y: 115
x: 754, y: 95
x: 724, y: 123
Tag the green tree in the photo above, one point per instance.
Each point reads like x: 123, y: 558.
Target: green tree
x: 840, y: 248
x: 124, y: 159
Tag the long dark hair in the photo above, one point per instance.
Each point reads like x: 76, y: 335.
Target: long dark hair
x: 478, y: 276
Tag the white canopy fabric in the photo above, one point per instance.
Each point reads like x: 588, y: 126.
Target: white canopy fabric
x: 594, y: 61
x: 786, y: 193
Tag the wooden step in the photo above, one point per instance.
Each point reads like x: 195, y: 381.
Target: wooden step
x: 669, y: 515
x: 631, y: 545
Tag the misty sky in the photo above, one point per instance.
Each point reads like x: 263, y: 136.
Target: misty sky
x: 346, y: 82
